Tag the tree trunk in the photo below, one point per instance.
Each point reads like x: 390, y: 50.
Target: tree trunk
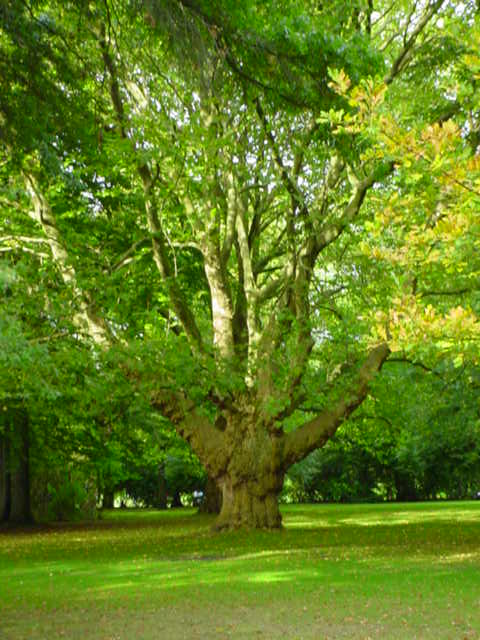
x: 248, y: 469
x: 19, y: 466
x: 405, y: 487
x: 212, y: 500
x: 247, y: 506
x: 176, y: 500
x: 108, y: 499
x: 5, y: 484
x: 160, y: 498
x: 247, y: 453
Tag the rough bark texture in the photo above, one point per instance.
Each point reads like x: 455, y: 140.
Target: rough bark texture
x: 247, y: 455
x: 249, y: 505
x: 248, y: 470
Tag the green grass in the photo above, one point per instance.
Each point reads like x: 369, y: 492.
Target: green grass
x: 335, y: 571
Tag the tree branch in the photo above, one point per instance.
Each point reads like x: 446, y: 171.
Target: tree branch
x: 399, y: 62
x: 314, y: 433
x: 96, y: 326
x: 158, y: 239
x: 330, y: 232
x: 415, y: 363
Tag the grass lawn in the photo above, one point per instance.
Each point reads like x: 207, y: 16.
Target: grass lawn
x: 335, y: 571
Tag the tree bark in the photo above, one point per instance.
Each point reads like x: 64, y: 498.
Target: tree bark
x: 176, y: 501
x: 247, y: 453
x: 251, y: 505
x: 248, y: 469
x: 316, y: 432
x: 212, y: 501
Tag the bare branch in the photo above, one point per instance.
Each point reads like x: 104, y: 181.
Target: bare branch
x: 158, y: 238
x: 453, y: 292
x: 128, y: 255
x: 415, y: 363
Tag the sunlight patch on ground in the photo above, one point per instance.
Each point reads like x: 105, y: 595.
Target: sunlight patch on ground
x: 461, y: 557
x: 388, y: 517
x: 270, y: 576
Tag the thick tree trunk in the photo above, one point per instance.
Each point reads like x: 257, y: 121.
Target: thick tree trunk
x: 249, y: 473
x: 248, y: 506
x: 212, y: 501
x: 247, y: 452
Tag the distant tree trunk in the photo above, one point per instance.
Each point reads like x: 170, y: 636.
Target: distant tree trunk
x: 176, y: 501
x: 405, y: 487
x: 160, y: 498
x: 5, y: 484
x: 212, y: 500
x: 18, y: 468
x: 108, y: 499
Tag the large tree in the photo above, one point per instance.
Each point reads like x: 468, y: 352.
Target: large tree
x: 271, y: 161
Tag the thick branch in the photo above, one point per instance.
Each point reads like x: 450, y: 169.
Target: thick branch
x: 206, y: 440
x: 316, y: 432
x: 230, y: 221
x: 19, y: 247
x: 250, y: 289
x: 160, y: 256
x: 18, y: 239
x: 222, y: 312
x: 86, y: 317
